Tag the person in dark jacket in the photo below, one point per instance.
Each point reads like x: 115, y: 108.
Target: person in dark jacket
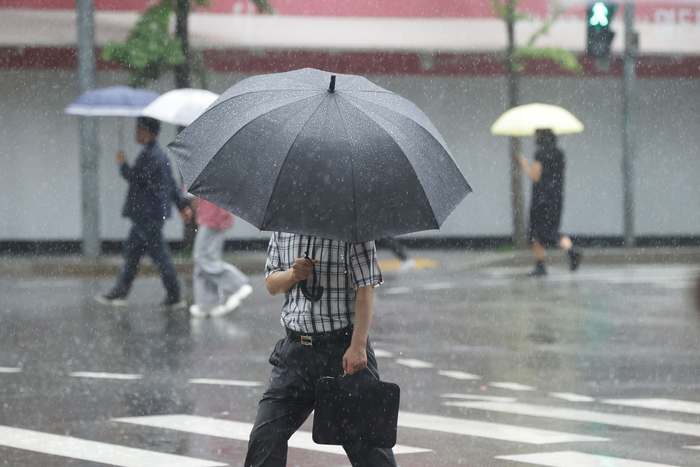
x: 547, y: 174
x: 151, y: 191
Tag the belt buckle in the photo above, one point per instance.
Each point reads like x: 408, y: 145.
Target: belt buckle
x: 307, y: 340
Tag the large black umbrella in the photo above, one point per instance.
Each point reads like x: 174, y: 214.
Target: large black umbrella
x: 313, y: 153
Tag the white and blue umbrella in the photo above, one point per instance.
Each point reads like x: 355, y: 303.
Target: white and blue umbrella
x: 117, y: 101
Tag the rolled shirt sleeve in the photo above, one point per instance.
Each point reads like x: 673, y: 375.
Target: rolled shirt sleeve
x: 273, y: 257
x: 364, y: 265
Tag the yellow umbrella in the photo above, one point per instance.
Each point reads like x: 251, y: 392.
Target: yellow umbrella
x: 525, y: 119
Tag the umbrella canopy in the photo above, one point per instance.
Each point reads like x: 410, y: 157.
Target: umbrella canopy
x: 118, y: 101
x: 180, y: 106
x: 524, y: 120
x: 312, y: 153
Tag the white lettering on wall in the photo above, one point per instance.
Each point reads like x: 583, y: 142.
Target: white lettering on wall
x: 665, y: 15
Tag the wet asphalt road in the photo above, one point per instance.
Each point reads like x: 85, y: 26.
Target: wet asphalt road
x: 622, y: 343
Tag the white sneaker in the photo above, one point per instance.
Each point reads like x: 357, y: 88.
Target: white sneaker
x: 407, y: 265
x: 221, y: 310
x: 110, y: 300
x: 197, y: 312
x: 236, y: 298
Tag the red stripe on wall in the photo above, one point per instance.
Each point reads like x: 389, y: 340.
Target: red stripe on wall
x: 366, y: 63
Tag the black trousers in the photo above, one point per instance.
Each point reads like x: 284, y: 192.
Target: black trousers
x: 290, y: 397
x: 147, y: 236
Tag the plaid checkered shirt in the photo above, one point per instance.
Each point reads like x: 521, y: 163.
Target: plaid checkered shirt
x: 342, y: 268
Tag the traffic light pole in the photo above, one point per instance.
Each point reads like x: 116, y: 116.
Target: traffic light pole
x: 628, y: 124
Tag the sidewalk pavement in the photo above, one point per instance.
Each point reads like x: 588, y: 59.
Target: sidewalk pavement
x: 253, y: 262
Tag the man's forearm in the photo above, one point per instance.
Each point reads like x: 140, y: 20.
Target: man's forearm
x: 280, y: 282
x: 363, y: 315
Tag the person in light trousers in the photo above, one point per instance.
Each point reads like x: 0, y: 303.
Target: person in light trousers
x: 219, y: 287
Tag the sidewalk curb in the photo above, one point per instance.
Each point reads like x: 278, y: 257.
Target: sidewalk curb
x: 253, y: 263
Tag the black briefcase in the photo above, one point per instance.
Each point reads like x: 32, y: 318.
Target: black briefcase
x: 351, y: 410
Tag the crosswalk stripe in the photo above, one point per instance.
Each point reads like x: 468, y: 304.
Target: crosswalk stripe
x: 94, y: 451
x: 239, y: 431
x: 579, y: 459
x: 396, y: 290
x: 571, y: 397
x: 439, y: 286
x: 90, y: 374
x: 560, y: 413
x: 512, y: 386
x: 5, y: 369
x: 672, y: 405
x: 489, y: 430
x: 224, y: 382
x: 379, y: 353
x: 413, y: 363
x: 458, y: 374
x: 477, y: 397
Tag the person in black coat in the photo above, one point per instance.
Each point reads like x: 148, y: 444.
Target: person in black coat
x: 152, y: 189
x: 547, y: 173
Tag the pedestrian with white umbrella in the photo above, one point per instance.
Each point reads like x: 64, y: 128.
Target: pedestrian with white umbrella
x: 547, y: 173
x: 219, y: 287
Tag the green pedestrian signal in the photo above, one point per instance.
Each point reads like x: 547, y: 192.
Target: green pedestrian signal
x: 599, y: 16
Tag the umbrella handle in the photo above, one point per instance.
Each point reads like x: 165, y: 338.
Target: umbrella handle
x: 316, y: 296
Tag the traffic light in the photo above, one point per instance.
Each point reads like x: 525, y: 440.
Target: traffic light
x: 599, y: 16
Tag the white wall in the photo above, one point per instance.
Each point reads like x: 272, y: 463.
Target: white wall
x: 39, y: 155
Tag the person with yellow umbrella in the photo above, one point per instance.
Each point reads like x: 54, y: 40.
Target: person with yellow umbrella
x: 547, y: 173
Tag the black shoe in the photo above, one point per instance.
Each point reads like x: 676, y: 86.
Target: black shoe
x: 537, y: 272
x: 574, y: 258
x: 172, y: 305
x: 112, y: 299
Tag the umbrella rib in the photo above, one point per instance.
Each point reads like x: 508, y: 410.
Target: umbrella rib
x: 432, y: 211
x: 233, y: 135
x: 352, y: 171
x: 311, y: 114
x: 257, y: 92
x: 383, y: 106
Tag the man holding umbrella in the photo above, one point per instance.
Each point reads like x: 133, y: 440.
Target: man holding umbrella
x: 328, y: 337
x: 328, y: 162
x: 151, y: 190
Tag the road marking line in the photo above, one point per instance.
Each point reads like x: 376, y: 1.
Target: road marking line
x: 93, y: 451
x: 90, y: 374
x: 5, y: 369
x: 413, y: 363
x: 489, y: 430
x: 692, y: 447
x: 239, y: 431
x: 224, y: 382
x: 560, y: 413
x: 458, y: 374
x: 579, y: 459
x: 439, y: 286
x: 672, y: 405
x: 396, y: 290
x: 512, y: 386
x: 379, y: 353
x: 477, y: 397
x: 571, y: 397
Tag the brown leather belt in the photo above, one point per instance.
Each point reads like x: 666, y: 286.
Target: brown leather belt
x: 320, y: 338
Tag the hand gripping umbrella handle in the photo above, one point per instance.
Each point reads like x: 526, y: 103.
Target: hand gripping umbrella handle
x: 312, y: 297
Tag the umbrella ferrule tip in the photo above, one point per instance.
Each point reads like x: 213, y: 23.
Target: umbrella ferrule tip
x: 331, y: 88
